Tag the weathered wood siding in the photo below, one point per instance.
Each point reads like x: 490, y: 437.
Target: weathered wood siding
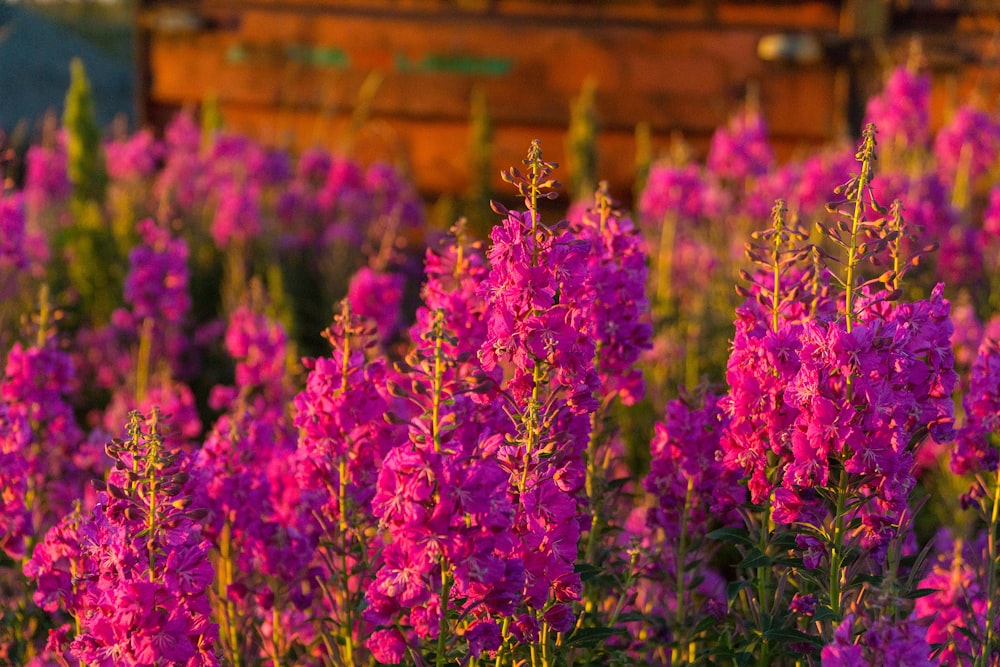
x: 293, y: 73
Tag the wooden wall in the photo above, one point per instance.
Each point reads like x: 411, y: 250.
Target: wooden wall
x: 396, y: 77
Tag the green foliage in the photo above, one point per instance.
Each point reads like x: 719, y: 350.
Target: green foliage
x: 211, y: 120
x: 581, y: 144
x: 87, y: 170
x: 476, y: 208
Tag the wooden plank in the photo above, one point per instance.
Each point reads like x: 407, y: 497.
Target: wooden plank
x: 688, y: 78
x: 774, y: 14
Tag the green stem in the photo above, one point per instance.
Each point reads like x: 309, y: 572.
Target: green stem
x: 837, y: 546
x: 763, y: 579
x: 664, y: 267
x: 143, y: 359
x: 591, y: 489
x: 991, y: 575
x: 446, y: 582
x: 682, y: 545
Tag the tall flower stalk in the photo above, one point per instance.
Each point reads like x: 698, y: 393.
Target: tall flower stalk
x: 828, y: 447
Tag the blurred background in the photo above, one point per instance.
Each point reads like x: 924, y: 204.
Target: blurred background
x: 37, y: 42
x: 412, y: 82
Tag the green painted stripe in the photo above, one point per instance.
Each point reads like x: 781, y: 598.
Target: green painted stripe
x: 319, y: 56
x: 455, y: 64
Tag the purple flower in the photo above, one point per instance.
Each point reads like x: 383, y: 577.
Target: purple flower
x: 973, y: 452
x: 134, y: 157
x: 902, y: 111
x: 674, y: 192
x: 387, y: 646
x: 378, y: 296
x: 683, y: 456
x: 970, y: 141
x: 15, y: 514
x: 237, y: 216
x: 618, y: 309
x: 47, y: 175
x: 135, y: 571
x: 741, y: 149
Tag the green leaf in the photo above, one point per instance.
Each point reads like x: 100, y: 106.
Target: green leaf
x: 706, y: 623
x: 693, y: 565
x: 587, y: 571
x: 784, y: 541
x: 823, y: 613
x: 791, y: 636
x: 617, y: 484
x: 865, y: 578
x: 591, y: 637
x: 756, y: 558
x: 631, y: 617
x: 919, y: 593
x: 738, y: 535
x: 733, y: 588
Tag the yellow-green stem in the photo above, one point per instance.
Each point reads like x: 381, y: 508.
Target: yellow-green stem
x: 346, y: 604
x: 504, y: 629
x: 276, y: 636
x: 347, y: 631
x: 544, y: 644
x: 153, y: 456
x: 438, y: 381
x: 963, y: 179
x: 864, y: 180
x: 225, y: 579
x: 345, y: 362
x: 531, y: 425
x: 143, y: 360
x: 776, y: 256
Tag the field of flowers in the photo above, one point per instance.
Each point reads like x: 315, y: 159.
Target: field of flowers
x: 572, y: 443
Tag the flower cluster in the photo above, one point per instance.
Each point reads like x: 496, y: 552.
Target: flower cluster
x: 343, y: 440
x: 741, y: 151
x: 970, y: 142
x: 955, y: 610
x: 876, y: 642
x: 616, y: 275
x: 538, y: 314
x: 134, y: 573
x: 15, y: 514
x: 38, y: 380
x: 974, y: 452
x: 691, y: 486
x: 902, y: 110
